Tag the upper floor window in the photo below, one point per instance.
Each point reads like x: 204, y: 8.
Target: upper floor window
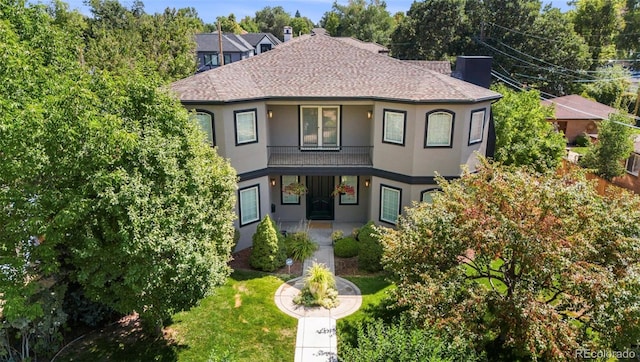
x: 210, y: 59
x: 320, y: 127
x: 227, y: 58
x: 633, y: 164
x: 476, y: 129
x: 439, y: 129
x: 265, y: 47
x: 246, y: 127
x: 393, y: 126
x: 205, y: 121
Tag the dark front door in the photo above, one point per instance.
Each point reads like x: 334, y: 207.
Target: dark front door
x: 319, y: 200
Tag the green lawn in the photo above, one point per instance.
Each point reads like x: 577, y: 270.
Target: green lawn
x: 239, y: 322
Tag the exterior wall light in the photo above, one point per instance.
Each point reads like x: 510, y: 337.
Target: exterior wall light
x: 369, y: 114
x: 273, y: 182
x: 270, y: 114
x: 367, y: 182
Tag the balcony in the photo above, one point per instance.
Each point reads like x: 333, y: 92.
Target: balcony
x: 294, y: 156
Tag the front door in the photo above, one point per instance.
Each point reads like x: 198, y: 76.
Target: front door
x: 319, y: 200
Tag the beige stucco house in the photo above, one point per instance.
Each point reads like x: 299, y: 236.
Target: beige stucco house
x: 322, y: 111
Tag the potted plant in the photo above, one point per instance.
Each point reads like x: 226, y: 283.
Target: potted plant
x: 342, y: 189
x: 295, y: 188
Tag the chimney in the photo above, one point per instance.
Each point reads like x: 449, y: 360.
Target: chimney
x: 474, y: 69
x: 288, y: 33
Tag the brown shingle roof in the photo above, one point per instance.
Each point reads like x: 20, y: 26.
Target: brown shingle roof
x: 372, y: 47
x: 577, y: 107
x: 440, y: 66
x: 323, y: 67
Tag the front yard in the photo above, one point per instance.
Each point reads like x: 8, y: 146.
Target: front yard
x: 239, y: 322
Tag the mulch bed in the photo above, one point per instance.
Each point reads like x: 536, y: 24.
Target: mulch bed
x: 344, y: 266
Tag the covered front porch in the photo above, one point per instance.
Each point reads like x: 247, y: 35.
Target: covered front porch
x: 318, y: 198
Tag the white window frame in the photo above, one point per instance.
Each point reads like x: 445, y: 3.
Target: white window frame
x: 430, y: 131
x: 241, y: 195
x: 285, y: 198
x: 254, y: 137
x: 320, y: 130
x: 384, y: 189
x: 632, y: 164
x: 211, y: 136
x: 352, y: 181
x: 479, y: 115
x: 386, y: 122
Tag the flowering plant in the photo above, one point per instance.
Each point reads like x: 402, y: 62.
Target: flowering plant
x: 343, y: 188
x: 295, y: 188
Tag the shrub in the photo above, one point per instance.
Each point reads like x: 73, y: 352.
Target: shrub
x: 355, y: 232
x: 370, y: 251
x: 401, y: 342
x: 346, y: 247
x: 319, y: 288
x: 337, y: 235
x: 582, y: 140
x: 300, y: 246
x: 268, y: 251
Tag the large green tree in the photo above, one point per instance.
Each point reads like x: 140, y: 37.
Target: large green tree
x: 599, y: 22
x: 368, y: 22
x: 428, y: 30
x: 272, y: 20
x: 610, y: 86
x: 529, y: 266
x: 162, y: 43
x: 524, y: 136
x: 615, y: 144
x: 105, y: 182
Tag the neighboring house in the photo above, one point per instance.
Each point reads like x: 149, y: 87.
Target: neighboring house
x: 234, y: 47
x: 575, y: 115
x: 321, y: 111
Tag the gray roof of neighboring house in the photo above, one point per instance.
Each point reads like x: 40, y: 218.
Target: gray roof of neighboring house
x: 577, y: 107
x: 440, y: 66
x: 255, y: 38
x: 208, y: 42
x: 322, y: 67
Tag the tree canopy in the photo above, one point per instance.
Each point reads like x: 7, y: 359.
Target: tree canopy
x: 368, y: 22
x: 105, y: 181
x: 615, y: 143
x: 529, y: 266
x: 524, y: 136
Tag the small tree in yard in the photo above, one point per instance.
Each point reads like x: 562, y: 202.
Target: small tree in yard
x: 269, y: 252
x: 529, y: 266
x: 615, y: 144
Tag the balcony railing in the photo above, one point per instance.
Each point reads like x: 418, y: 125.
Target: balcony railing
x: 309, y: 156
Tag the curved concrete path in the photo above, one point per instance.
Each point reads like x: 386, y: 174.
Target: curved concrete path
x: 316, y: 340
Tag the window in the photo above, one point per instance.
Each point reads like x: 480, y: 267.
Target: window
x: 393, y: 126
x: 265, y: 48
x: 439, y: 129
x: 288, y: 199
x: 210, y: 59
x: 205, y: 121
x: 227, y: 58
x: 633, y: 164
x: 349, y: 199
x: 428, y: 195
x: 249, y: 200
x: 319, y: 127
x: 476, y: 129
x: 389, y: 203
x: 246, y: 127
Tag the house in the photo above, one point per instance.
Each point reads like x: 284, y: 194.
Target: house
x: 323, y: 112
x: 234, y: 47
x: 575, y: 115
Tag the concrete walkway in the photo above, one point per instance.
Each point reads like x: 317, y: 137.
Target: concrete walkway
x: 317, y: 340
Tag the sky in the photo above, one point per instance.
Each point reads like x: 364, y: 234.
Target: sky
x: 208, y: 10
